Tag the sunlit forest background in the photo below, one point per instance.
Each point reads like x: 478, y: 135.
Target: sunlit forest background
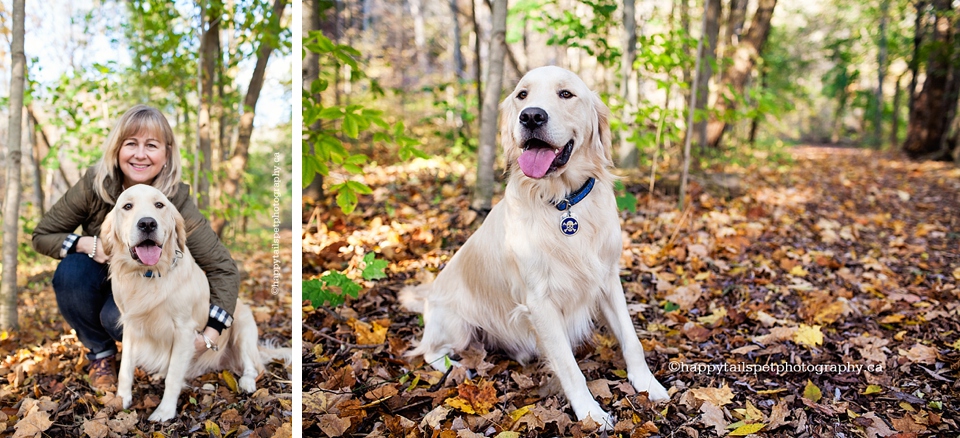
x: 810, y: 72
x: 89, y: 61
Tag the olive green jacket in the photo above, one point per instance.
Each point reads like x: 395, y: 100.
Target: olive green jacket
x: 82, y: 206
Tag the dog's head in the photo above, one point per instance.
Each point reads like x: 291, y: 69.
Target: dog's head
x: 144, y: 228
x: 552, y: 123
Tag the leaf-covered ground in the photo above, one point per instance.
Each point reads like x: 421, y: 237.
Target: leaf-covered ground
x: 756, y: 310
x: 44, y: 389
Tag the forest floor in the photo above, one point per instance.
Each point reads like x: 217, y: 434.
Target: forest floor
x: 838, y: 268
x: 44, y: 389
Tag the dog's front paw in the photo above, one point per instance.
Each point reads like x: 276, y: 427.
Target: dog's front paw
x: 248, y: 384
x: 597, y: 415
x: 126, y: 398
x: 649, y: 384
x: 163, y: 413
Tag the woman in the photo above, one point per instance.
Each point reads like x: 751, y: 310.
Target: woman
x: 141, y: 149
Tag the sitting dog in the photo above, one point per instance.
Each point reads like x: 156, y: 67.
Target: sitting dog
x: 545, y: 262
x: 164, y: 300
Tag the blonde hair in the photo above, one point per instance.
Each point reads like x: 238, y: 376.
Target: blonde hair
x: 139, y: 119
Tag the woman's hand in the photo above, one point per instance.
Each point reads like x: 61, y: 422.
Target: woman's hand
x: 200, y: 344
x: 85, y: 246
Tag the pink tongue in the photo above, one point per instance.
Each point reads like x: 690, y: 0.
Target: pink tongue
x: 536, y: 162
x: 149, y: 255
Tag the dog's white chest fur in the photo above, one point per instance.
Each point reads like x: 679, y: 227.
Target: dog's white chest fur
x: 152, y: 309
x: 566, y: 270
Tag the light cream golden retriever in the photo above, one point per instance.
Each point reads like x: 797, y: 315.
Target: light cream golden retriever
x: 163, y: 310
x: 531, y: 280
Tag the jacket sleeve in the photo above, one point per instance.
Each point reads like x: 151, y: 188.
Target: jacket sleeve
x: 212, y: 256
x: 63, y: 219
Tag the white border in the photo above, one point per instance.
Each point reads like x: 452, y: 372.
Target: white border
x: 296, y: 224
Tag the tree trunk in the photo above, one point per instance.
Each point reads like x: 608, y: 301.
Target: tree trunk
x: 837, y: 127
x: 477, y: 68
x: 947, y: 144
x: 684, y: 176
x: 712, y: 29
x: 738, y: 13
x: 311, y: 72
x: 895, y: 123
x: 628, y: 86
x: 419, y: 36
x: 11, y: 200
x: 33, y: 163
x: 918, y: 34
x: 238, y: 161
x: 458, y: 63
x: 755, y: 122
x: 47, y: 137
x: 744, y: 59
x: 209, y: 47
x: 928, y: 117
x: 685, y: 25
x: 483, y: 195
x: 881, y: 72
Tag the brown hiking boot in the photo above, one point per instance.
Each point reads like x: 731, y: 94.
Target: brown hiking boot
x: 103, y: 374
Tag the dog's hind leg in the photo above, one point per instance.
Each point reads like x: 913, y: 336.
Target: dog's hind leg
x: 180, y: 361
x: 444, y: 332
x: 250, y: 356
x: 614, y: 308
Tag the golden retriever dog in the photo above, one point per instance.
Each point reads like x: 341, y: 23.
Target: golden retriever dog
x: 164, y: 300
x: 545, y: 262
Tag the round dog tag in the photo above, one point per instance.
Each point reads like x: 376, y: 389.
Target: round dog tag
x: 569, y: 224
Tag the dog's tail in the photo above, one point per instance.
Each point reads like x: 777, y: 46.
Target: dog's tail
x: 414, y: 298
x: 270, y: 351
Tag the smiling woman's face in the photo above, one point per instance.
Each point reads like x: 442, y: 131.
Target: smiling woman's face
x: 141, y: 158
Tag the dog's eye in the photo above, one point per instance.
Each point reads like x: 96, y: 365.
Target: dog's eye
x: 158, y: 205
x: 127, y: 206
x: 565, y: 94
x: 522, y: 95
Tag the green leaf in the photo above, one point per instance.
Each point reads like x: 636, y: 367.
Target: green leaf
x: 331, y: 113
x: 347, y: 199
x: 331, y: 289
x: 627, y: 202
x: 359, y: 187
x: 346, y: 285
x: 350, y: 126
x: 358, y: 159
x: 374, y: 268
x: 310, y: 169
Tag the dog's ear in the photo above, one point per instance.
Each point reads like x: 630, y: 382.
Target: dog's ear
x: 508, y: 116
x: 107, y: 237
x: 181, y: 233
x: 601, y: 133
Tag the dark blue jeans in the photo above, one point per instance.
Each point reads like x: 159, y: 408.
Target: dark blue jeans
x: 86, y: 301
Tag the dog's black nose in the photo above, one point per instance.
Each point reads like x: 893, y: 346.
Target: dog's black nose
x: 147, y: 224
x: 533, y: 117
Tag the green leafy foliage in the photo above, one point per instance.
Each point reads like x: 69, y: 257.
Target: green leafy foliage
x: 626, y: 201
x: 334, y: 287
x: 660, y: 57
x: 374, y: 268
x: 590, y: 32
x: 328, y: 127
